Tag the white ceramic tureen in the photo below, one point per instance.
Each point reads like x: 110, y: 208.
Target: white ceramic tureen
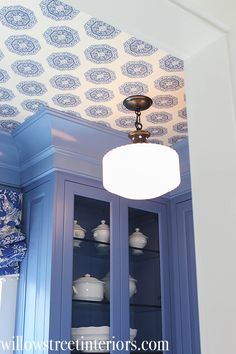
x: 92, y: 336
x: 137, y: 239
x: 132, y: 286
x: 79, y: 233
x: 88, y: 288
x: 102, y: 232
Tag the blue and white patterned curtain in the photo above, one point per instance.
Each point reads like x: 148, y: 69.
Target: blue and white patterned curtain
x: 12, y: 241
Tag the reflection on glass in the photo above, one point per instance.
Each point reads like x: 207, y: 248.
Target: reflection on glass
x: 144, y: 266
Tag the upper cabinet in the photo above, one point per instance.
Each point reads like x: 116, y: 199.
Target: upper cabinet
x: 98, y: 265
x: 112, y: 270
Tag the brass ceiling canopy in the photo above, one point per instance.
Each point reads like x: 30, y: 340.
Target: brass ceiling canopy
x: 138, y: 103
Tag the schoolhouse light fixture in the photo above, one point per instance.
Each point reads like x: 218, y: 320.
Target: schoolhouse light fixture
x: 141, y: 170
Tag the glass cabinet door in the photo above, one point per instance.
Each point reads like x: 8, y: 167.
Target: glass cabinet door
x: 90, y: 224
x: 91, y: 269
x: 144, y: 277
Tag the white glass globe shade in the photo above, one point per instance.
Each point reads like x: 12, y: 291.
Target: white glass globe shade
x: 141, y: 171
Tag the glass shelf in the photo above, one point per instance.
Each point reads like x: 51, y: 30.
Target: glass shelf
x: 143, y: 250
x: 147, y: 306
x: 105, y: 302
x: 86, y: 302
x: 142, y: 255
x: 91, y: 248
x: 90, y: 240
x: 90, y: 313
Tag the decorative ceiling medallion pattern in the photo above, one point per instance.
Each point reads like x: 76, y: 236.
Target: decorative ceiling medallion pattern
x: 159, y: 117
x: 138, y: 48
x: 180, y: 127
x: 133, y: 88
x: 27, y: 68
x: 17, y: 17
x: 165, y: 101
x: 157, y: 131
x: 99, y: 94
x: 100, y: 30
x: 98, y: 111
x: 170, y: 63
x: 31, y: 88
x: 4, y: 77
x: 122, y: 108
x: 66, y: 100
x: 50, y: 50
x: 57, y: 10
x: 8, y: 125
x: 126, y: 122
x: 6, y: 95
x: 65, y: 82
x: 61, y: 37
x: 8, y: 111
x: 182, y: 113
x: 137, y: 69
x: 23, y: 45
x: 101, y: 54
x: 33, y: 105
x: 100, y: 76
x: 63, y: 61
x: 169, y: 83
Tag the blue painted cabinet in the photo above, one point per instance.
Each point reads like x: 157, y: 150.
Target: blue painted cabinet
x: 60, y: 174
x: 164, y: 305
x: 185, y: 321
x: 54, y: 260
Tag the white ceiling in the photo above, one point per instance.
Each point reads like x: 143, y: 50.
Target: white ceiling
x: 52, y: 54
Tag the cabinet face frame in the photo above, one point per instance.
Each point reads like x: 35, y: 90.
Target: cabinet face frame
x: 119, y: 255
x: 160, y: 208
x: 116, y: 292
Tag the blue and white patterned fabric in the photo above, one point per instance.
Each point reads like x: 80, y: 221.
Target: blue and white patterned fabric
x: 12, y: 241
x: 50, y: 49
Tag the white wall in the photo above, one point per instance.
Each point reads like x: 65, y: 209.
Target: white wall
x: 213, y: 171
x: 8, y: 291
x: 203, y: 32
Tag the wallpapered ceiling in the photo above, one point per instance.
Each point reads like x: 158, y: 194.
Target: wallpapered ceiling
x: 52, y: 54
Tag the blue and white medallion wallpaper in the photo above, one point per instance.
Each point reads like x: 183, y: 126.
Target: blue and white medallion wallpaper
x: 51, y: 54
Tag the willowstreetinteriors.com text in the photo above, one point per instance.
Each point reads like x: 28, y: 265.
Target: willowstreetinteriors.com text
x: 18, y: 344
